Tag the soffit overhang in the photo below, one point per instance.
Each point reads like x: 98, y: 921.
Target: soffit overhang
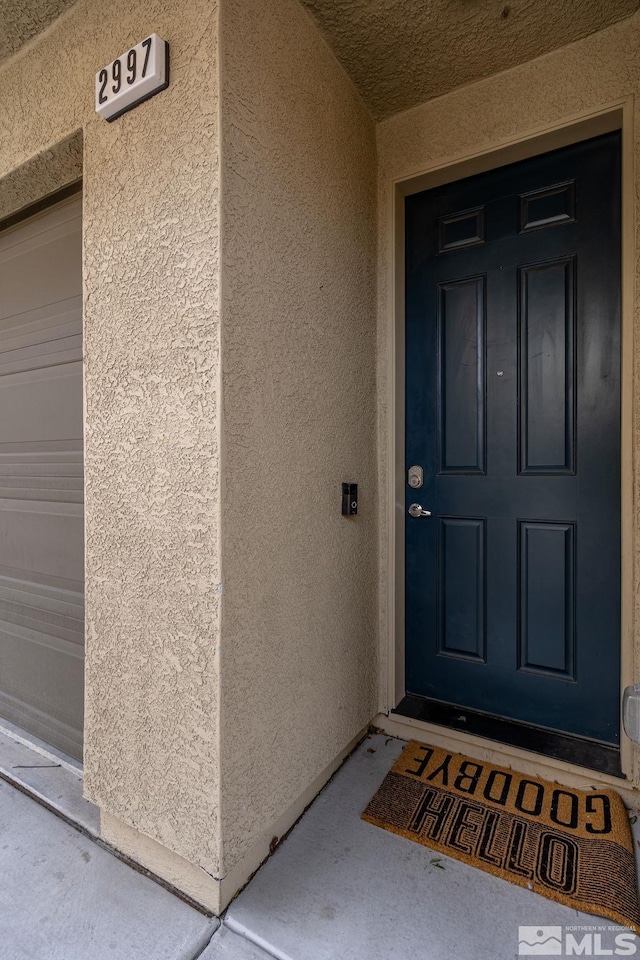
x: 400, y: 53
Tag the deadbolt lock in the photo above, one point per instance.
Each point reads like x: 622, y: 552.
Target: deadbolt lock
x: 415, y: 478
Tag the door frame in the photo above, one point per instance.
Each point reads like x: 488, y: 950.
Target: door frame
x: 614, y: 116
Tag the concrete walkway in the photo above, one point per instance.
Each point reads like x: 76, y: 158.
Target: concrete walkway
x: 336, y: 889
x: 63, y: 897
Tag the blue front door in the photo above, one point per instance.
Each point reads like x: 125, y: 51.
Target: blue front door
x: 513, y: 417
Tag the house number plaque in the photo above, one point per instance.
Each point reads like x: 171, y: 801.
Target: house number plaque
x: 132, y: 77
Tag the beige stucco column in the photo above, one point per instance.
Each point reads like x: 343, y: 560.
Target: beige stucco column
x: 231, y: 609
x: 152, y: 375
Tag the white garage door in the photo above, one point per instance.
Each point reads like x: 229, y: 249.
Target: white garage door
x: 41, y: 477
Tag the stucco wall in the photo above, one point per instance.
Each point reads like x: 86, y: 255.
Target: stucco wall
x: 151, y: 385
x: 299, y: 604
x: 561, y: 87
x: 55, y: 168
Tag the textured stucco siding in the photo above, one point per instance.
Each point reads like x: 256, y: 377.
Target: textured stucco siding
x: 24, y: 19
x: 298, y: 669
x: 151, y: 388
x: 578, y: 81
x: 57, y: 167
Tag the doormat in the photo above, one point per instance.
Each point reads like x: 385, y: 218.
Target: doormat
x: 573, y: 846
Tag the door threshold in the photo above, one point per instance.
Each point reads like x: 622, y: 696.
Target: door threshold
x: 591, y: 754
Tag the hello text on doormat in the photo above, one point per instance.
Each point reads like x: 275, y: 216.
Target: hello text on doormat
x: 573, y: 846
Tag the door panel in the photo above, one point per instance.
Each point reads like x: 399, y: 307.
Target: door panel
x: 513, y: 411
x: 547, y: 367
x: 461, y: 616
x: 546, y: 598
x: 41, y: 477
x: 461, y: 346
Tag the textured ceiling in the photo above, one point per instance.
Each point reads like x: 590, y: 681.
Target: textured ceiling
x: 403, y: 52
x: 22, y: 19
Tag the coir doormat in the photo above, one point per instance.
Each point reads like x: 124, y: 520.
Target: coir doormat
x: 573, y: 846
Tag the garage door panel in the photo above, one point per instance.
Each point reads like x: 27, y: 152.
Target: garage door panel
x: 60, y: 351
x: 28, y: 614
x: 43, y: 323
x: 42, y: 651
x: 48, y: 685
x: 65, y: 491
x: 42, y: 404
x: 28, y: 472
x: 13, y: 634
x: 41, y: 478
x: 38, y: 259
x: 51, y: 590
x: 55, y: 684
x: 45, y: 337
x: 46, y: 538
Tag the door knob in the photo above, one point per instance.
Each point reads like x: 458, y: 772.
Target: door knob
x: 416, y: 510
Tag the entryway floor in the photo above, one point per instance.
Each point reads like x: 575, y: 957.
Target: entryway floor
x: 337, y: 888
